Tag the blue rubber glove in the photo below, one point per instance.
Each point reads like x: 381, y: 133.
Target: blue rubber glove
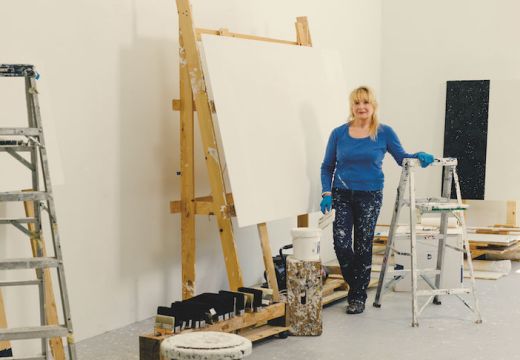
x: 326, y: 204
x: 425, y: 159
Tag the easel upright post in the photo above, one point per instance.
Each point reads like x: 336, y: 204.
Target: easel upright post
x: 189, y: 55
x: 187, y: 181
x: 303, y: 38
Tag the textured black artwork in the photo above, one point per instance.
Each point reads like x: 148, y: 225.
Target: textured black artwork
x: 465, y: 134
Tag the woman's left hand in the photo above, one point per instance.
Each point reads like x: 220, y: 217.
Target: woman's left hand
x: 425, y: 159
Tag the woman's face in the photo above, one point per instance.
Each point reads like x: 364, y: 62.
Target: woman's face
x: 362, y: 109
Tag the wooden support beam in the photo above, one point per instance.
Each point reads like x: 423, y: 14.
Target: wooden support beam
x: 189, y: 55
x: 204, y: 205
x: 226, y: 32
x: 187, y: 182
x: 51, y: 313
x: 303, y: 37
x: 268, y: 260
x: 511, y: 213
x: 177, y: 104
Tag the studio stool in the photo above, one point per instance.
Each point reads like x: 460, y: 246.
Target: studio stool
x: 205, y: 345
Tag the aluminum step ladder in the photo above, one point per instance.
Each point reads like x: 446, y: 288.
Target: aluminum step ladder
x: 27, y: 145
x: 429, y: 205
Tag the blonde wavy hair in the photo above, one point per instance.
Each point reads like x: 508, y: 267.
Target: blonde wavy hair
x: 364, y: 93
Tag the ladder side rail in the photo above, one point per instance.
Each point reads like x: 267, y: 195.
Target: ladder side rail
x: 399, y: 200
x: 36, y: 237
x: 53, y: 223
x: 413, y: 240
x: 468, y: 250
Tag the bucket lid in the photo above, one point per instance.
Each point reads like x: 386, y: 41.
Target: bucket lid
x: 305, y: 232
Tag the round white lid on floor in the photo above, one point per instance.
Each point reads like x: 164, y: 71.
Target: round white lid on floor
x: 206, y: 345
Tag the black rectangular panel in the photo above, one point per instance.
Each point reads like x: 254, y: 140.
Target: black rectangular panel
x: 465, y: 134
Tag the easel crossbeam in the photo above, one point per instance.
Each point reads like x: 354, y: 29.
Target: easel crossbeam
x: 225, y: 32
x: 203, y: 206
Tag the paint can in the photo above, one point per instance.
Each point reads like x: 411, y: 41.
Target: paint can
x: 306, y: 243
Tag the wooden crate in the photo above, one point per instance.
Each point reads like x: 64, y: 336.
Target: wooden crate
x: 252, y: 325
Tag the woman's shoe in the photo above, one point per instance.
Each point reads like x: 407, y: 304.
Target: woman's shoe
x: 355, y: 307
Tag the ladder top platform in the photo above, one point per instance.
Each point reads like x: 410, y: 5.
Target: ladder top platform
x: 437, y: 162
x: 17, y: 70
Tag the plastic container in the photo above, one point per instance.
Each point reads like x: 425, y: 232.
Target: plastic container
x: 306, y: 243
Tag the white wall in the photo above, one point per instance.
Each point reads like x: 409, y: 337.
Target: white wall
x: 109, y: 71
x: 426, y: 43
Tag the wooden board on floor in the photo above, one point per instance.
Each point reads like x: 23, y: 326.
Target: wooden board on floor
x: 262, y: 332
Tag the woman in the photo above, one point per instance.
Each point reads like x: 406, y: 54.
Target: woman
x: 352, y: 183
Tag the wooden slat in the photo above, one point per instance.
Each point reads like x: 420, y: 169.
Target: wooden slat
x: 190, y: 56
x: 262, y: 332
x: 268, y: 260
x: 511, y: 213
x: 302, y: 31
x: 204, y: 205
x: 51, y: 313
x: 335, y: 296
x: 178, y: 104
x: 187, y: 183
x: 225, y: 32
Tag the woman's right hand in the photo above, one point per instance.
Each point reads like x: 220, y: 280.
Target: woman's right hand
x: 326, y: 204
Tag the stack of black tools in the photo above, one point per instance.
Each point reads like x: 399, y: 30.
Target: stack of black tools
x: 208, y: 308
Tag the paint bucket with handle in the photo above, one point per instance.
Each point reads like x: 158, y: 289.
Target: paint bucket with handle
x: 306, y: 243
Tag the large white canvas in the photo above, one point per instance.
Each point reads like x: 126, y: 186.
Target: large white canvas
x: 275, y: 108
x: 503, y: 150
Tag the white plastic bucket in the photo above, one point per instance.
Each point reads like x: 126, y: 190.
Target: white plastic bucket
x: 306, y: 243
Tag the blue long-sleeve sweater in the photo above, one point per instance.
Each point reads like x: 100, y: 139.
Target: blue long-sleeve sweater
x: 356, y: 164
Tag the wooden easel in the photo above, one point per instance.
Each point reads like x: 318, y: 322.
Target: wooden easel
x: 194, y: 97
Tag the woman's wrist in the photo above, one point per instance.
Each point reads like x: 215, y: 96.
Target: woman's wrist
x: 326, y: 193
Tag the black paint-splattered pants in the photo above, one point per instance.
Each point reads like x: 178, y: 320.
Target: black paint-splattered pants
x: 358, y: 210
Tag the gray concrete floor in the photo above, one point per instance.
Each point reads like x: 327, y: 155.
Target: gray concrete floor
x: 445, y: 332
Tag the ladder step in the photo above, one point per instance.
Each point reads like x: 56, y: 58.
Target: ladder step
x: 17, y: 70
x: 436, y: 162
x: 19, y: 221
x: 24, y: 196
x: 409, y: 271
x: 19, y: 283
x: 20, y: 131
x: 33, y: 332
x: 29, y: 263
x: 17, y: 148
x: 443, y: 292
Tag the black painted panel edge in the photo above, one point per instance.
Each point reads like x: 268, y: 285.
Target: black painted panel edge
x: 465, y: 133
